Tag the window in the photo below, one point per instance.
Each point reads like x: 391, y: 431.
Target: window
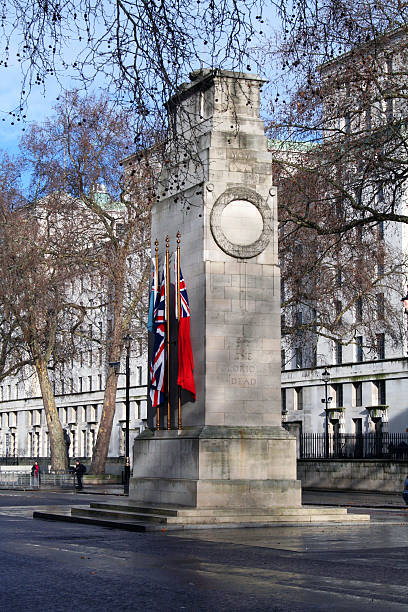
x: 339, y: 308
x: 380, y: 264
x: 283, y: 325
x: 299, y: 398
x: 339, y: 352
x: 359, y: 310
x: 380, y: 305
x: 80, y: 382
x: 100, y: 357
x: 283, y: 400
x: 358, y: 394
x: 382, y: 399
x: 381, y: 228
x: 282, y: 289
x: 90, y: 358
x: 339, y: 394
x: 368, y: 121
x: 314, y: 356
x: 299, y: 322
x: 359, y: 348
x: 100, y: 382
x: 347, y: 123
x: 380, y: 346
x: 283, y: 359
x: 71, y: 385
x: 89, y: 383
x: 389, y: 109
x: 299, y: 357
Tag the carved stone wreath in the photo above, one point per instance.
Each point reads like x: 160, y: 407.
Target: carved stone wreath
x: 238, y: 250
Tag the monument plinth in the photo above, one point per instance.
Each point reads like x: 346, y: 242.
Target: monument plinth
x: 232, y: 451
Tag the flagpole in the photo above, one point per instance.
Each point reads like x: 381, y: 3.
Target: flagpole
x: 179, y: 315
x: 156, y: 254
x: 168, y: 331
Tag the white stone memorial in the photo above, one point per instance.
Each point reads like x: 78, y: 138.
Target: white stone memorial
x: 232, y: 461
x: 232, y: 450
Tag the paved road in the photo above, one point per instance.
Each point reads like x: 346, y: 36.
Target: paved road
x: 55, y: 567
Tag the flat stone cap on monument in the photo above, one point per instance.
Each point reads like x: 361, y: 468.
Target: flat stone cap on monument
x: 203, y: 77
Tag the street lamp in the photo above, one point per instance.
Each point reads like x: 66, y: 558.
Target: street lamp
x: 127, y: 340
x: 326, y: 401
x: 116, y: 367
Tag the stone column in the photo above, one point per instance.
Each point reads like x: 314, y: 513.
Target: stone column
x: 232, y: 450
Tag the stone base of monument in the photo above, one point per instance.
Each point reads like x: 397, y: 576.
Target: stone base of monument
x: 222, y: 476
x: 216, y: 467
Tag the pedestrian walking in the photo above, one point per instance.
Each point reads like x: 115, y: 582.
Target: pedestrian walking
x: 36, y: 474
x: 80, y: 470
x: 405, y: 491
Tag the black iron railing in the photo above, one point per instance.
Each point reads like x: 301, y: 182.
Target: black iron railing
x: 384, y: 445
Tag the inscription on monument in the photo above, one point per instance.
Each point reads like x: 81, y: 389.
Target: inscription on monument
x: 242, y: 370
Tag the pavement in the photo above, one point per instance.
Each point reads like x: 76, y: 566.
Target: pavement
x: 361, y: 499
x: 64, y: 567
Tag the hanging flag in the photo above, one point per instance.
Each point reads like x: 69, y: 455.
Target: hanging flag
x: 153, y: 296
x: 185, y: 377
x: 158, y: 363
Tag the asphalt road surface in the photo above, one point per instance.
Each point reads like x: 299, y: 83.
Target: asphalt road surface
x: 47, y: 566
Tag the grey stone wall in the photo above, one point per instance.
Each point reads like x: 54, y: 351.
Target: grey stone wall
x: 357, y: 475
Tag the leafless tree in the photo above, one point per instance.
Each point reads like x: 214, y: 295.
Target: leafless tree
x: 41, y: 248
x: 86, y: 144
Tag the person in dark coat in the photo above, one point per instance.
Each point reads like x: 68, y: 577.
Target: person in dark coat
x: 80, y: 470
x: 35, y: 473
x: 405, y: 491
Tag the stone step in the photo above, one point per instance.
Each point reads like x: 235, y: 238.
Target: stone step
x: 118, y: 514
x: 185, y: 512
x: 111, y: 523
x: 216, y: 516
x: 125, y: 507
x: 267, y: 519
x: 238, y: 521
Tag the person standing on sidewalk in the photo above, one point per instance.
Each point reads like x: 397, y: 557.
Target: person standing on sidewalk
x: 35, y: 474
x: 80, y: 470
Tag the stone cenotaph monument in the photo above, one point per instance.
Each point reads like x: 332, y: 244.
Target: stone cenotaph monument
x: 232, y: 450
x: 232, y: 461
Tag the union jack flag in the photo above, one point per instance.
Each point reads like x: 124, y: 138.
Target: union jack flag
x: 158, y: 363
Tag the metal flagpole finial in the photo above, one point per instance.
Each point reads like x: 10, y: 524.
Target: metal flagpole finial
x: 178, y: 237
x: 156, y: 245
x: 167, y: 242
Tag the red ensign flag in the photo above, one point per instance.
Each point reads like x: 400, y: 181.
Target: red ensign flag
x: 185, y: 377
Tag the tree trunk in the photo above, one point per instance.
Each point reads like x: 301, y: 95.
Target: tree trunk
x: 59, y: 462
x: 101, y: 448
